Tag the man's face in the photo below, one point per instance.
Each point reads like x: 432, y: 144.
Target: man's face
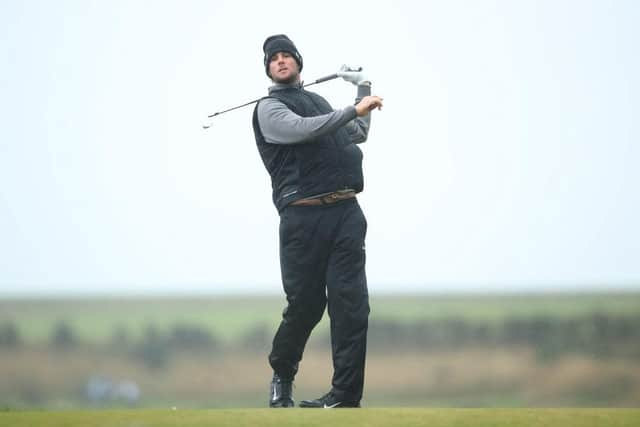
x: 283, y: 68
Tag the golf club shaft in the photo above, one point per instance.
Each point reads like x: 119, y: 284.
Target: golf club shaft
x: 210, y: 116
x: 322, y: 79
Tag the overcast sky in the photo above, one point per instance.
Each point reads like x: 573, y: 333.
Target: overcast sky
x: 506, y: 156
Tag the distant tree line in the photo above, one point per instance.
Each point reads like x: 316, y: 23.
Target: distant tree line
x: 9, y: 335
x: 599, y: 335
x: 154, y: 347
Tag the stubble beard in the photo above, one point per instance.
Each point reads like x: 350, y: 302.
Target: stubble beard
x: 293, y: 78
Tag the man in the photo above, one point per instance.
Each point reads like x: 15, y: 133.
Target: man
x: 316, y: 170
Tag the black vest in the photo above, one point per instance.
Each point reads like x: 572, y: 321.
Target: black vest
x: 329, y: 163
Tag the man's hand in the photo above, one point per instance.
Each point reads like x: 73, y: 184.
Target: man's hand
x: 367, y: 104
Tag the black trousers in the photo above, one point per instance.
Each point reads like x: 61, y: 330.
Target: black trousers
x: 322, y: 259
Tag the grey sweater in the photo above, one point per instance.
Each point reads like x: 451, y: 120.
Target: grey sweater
x: 280, y: 125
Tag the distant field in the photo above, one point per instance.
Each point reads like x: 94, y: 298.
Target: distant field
x: 94, y: 320
x: 529, y: 351
x: 334, y: 418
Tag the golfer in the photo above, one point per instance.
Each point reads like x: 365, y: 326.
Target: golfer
x: 310, y: 152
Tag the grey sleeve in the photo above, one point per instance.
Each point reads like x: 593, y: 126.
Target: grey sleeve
x: 358, y: 128
x: 280, y: 125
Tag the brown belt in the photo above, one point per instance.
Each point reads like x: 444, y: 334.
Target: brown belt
x: 327, y: 199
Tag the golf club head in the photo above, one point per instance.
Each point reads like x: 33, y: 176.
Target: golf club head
x: 207, y: 123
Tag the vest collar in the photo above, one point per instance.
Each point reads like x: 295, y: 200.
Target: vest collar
x: 282, y: 86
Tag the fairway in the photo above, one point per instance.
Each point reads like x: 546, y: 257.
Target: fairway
x: 406, y: 417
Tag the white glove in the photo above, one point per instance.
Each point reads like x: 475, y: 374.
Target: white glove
x: 353, y: 75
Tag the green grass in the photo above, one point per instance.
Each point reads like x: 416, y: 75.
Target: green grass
x: 95, y: 319
x: 406, y: 417
x: 489, y: 307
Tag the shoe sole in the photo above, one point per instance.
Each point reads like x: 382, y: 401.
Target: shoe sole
x: 325, y: 406
x: 281, y: 405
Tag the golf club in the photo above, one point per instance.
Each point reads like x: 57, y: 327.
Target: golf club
x: 320, y: 80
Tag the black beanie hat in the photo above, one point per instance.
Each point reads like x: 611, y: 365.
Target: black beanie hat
x: 279, y: 43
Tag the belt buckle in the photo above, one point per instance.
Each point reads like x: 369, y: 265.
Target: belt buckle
x: 330, y: 198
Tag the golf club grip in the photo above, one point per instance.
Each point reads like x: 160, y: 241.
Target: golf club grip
x: 324, y: 79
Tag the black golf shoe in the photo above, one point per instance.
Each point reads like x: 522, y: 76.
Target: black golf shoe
x: 328, y: 401
x: 281, y: 394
